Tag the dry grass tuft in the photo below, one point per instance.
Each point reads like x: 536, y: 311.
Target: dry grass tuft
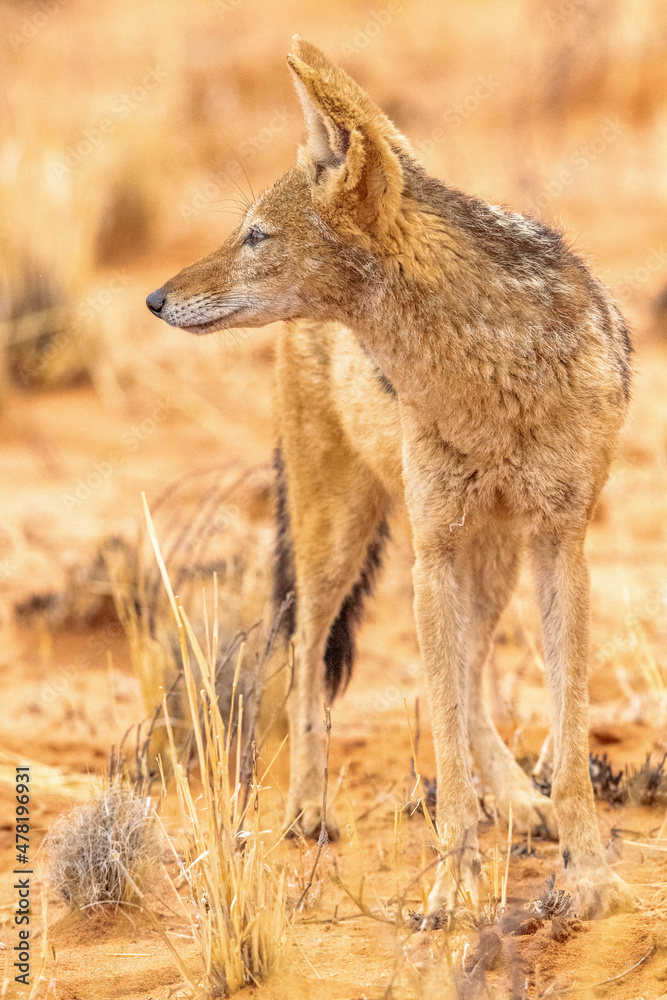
x: 240, y: 920
x: 639, y: 786
x: 106, y: 852
x: 36, y: 327
x: 216, y: 555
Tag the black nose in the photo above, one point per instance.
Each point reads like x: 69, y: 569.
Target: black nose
x: 155, y: 301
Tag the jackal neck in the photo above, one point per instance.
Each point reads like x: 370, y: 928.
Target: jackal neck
x: 468, y: 298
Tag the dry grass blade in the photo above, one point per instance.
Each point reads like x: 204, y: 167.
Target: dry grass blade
x: 570, y: 991
x: 240, y: 919
x: 50, y: 779
x: 45, y: 959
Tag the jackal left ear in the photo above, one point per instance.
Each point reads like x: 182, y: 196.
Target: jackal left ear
x: 352, y: 147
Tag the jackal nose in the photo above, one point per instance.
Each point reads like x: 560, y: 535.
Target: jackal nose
x: 155, y: 301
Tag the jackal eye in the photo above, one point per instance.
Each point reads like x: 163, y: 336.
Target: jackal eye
x: 254, y: 236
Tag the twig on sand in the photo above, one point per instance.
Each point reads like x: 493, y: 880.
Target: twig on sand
x: 612, y: 979
x: 363, y: 908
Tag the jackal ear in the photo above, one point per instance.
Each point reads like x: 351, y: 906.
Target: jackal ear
x: 351, y: 147
x: 328, y: 141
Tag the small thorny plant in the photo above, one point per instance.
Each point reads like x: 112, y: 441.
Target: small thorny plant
x: 553, y: 902
x: 643, y: 786
x: 607, y: 784
x: 647, y: 785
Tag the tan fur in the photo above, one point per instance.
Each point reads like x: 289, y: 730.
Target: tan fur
x: 507, y: 366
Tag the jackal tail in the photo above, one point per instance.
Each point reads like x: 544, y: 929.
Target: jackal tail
x: 341, y: 646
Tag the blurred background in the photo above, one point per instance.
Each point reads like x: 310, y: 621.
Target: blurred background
x: 129, y: 134
x: 131, y: 131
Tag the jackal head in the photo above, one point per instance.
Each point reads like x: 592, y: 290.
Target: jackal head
x: 314, y: 245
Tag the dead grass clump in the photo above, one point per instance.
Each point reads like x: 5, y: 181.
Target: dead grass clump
x: 218, y: 555
x: 85, y: 601
x: 106, y: 852
x: 643, y: 786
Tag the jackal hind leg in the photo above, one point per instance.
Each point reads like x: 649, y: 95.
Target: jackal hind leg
x: 492, y: 566
x: 561, y: 575
x: 337, y: 529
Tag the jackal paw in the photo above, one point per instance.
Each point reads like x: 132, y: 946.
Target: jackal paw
x: 531, y: 811
x: 598, y: 891
x: 305, y: 819
x: 456, y: 889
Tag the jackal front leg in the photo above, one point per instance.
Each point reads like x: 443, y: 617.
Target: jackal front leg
x: 440, y: 617
x: 435, y: 492
x: 563, y: 592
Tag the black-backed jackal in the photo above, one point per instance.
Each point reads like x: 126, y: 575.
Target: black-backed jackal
x: 461, y: 357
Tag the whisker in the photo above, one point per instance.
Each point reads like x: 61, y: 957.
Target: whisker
x: 231, y: 201
x: 240, y: 190
x: 230, y: 211
x: 247, y: 337
x: 238, y: 160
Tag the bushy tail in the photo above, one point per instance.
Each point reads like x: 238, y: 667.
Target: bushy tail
x: 341, y: 647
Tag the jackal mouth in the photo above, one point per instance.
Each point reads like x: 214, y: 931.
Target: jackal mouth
x: 212, y: 325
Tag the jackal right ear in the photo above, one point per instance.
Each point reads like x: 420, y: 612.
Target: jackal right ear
x: 352, y: 147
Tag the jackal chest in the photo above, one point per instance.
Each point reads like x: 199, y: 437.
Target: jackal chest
x: 460, y: 470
